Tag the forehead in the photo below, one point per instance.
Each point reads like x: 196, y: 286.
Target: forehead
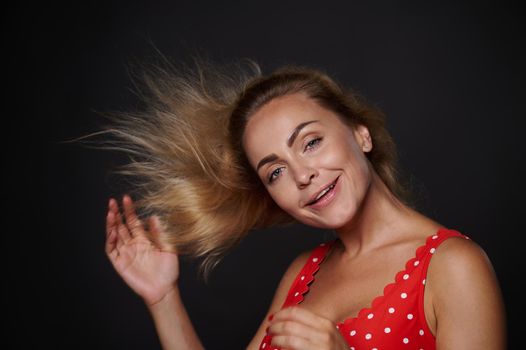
x: 273, y: 123
x: 285, y: 110
x: 280, y: 115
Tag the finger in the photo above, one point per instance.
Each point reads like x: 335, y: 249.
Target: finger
x: 110, y: 223
x: 133, y: 222
x: 156, y: 229
x: 302, y: 323
x: 291, y: 328
x: 292, y: 343
x: 152, y: 227
x: 114, y: 208
x: 111, y: 233
x: 124, y: 235
x: 299, y: 314
x: 110, y: 246
x: 294, y: 329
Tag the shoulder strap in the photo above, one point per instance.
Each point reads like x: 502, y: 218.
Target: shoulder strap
x: 432, y: 244
x: 306, y: 275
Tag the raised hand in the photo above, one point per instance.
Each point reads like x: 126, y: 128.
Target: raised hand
x: 146, y: 268
x: 295, y: 328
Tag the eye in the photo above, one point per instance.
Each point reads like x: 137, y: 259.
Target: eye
x: 313, y: 143
x: 274, y: 175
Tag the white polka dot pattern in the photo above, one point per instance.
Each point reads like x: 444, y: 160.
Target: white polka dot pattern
x: 394, y: 317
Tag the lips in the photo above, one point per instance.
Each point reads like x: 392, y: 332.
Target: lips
x: 322, y: 193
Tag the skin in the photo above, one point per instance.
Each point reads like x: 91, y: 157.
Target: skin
x: 150, y: 272
x: 377, y: 235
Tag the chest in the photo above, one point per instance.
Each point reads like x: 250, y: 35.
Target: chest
x: 341, y: 291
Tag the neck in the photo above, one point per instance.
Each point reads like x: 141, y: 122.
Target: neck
x: 380, y: 220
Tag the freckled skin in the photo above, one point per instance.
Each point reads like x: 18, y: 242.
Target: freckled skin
x: 304, y: 169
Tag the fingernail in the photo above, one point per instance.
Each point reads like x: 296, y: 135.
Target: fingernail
x: 271, y: 317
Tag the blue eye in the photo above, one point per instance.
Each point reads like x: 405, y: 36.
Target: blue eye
x: 312, y: 143
x: 274, y: 175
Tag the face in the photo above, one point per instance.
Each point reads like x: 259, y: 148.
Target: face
x: 311, y: 163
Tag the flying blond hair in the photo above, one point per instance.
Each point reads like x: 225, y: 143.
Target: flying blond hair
x: 186, y: 155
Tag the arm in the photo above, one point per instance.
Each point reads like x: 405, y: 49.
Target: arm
x: 468, y: 311
x: 151, y: 272
x: 173, y: 325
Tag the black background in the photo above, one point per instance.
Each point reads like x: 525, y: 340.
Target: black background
x: 449, y: 75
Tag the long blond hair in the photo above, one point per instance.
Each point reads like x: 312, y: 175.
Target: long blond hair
x: 187, y: 158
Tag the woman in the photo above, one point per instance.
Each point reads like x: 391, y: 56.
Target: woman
x: 294, y: 145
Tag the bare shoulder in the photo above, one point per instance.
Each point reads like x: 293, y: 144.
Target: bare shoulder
x: 290, y: 274
x: 296, y: 265
x: 286, y: 281
x: 288, y: 278
x: 465, y: 296
x: 460, y: 265
x: 460, y: 257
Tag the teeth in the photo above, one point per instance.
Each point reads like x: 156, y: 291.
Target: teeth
x: 322, y: 193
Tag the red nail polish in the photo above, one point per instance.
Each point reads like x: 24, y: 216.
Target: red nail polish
x: 271, y: 317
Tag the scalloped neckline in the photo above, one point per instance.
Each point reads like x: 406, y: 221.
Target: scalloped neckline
x: 377, y: 299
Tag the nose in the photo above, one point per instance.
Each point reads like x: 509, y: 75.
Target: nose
x: 304, y: 175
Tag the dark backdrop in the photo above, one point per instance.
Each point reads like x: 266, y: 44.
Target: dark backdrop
x: 449, y: 75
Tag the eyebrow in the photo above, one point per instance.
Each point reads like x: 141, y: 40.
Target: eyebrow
x: 296, y: 131
x: 272, y: 157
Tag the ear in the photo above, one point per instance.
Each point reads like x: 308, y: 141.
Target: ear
x: 363, y: 138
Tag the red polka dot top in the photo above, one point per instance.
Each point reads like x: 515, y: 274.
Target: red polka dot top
x: 395, y: 320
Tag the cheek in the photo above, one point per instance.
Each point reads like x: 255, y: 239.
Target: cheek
x: 283, y: 196
x: 338, y: 155
x: 347, y: 156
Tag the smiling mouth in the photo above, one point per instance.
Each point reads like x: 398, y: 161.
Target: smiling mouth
x: 323, y: 192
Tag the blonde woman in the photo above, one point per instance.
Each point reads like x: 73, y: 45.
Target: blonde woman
x: 222, y: 153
